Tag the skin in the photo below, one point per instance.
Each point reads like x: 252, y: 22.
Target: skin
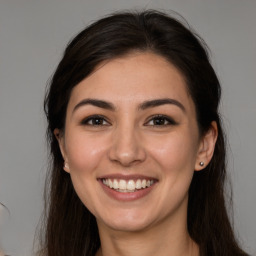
x: 128, y: 141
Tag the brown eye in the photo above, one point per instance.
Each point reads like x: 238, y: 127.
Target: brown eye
x: 160, y: 120
x: 95, y: 121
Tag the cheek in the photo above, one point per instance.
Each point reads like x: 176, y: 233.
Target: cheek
x: 174, y: 153
x: 175, y: 159
x: 84, y: 154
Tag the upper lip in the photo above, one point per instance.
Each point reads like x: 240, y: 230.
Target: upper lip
x: 127, y: 177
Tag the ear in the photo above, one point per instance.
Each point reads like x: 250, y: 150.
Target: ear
x: 60, y: 138
x: 206, y: 147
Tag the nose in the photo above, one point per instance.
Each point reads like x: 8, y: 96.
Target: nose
x: 127, y: 146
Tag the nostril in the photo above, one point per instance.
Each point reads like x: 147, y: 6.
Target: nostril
x: 126, y: 160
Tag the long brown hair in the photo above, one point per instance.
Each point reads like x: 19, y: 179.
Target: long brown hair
x: 69, y: 228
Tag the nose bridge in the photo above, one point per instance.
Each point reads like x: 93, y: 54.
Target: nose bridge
x: 126, y: 146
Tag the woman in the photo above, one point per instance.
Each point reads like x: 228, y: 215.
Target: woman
x: 137, y: 147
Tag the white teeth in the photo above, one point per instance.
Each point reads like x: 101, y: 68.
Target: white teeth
x: 130, y: 185
x: 115, y: 184
x: 127, y: 186
x: 138, y: 184
x: 122, y: 184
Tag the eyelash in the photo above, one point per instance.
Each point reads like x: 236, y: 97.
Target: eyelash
x: 103, y: 122
x: 93, y: 118
x: 167, y: 120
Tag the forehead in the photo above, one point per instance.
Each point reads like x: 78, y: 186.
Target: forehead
x: 132, y: 79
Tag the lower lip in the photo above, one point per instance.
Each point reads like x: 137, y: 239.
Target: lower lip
x: 127, y: 196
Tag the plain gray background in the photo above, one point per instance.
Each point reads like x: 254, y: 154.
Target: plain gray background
x: 33, y: 35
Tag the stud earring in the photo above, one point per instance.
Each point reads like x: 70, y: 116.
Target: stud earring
x: 201, y: 163
x: 66, y: 165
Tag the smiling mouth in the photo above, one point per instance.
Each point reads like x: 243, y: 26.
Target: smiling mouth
x: 128, y: 186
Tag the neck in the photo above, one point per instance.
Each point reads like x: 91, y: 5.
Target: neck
x: 161, y: 240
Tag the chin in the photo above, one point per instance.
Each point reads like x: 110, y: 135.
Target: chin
x: 128, y: 226
x: 127, y: 221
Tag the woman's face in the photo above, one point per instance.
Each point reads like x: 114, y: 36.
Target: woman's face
x: 131, y: 142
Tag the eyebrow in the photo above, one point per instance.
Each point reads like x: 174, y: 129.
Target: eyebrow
x: 159, y: 102
x: 144, y: 105
x: 95, y: 102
